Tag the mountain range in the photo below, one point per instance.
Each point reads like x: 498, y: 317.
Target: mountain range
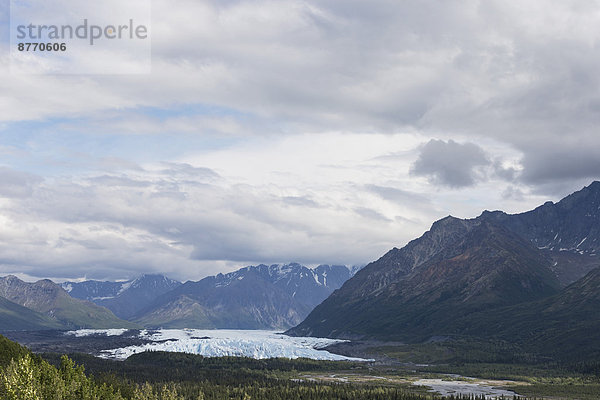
x: 531, y: 278
x: 266, y: 297
x: 274, y: 296
x: 124, y: 299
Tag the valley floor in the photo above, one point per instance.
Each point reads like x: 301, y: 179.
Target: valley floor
x: 399, y: 371
x: 233, y: 377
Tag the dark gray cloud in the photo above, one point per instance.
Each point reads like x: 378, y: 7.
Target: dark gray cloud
x: 450, y: 163
x: 562, y: 162
x: 504, y: 172
x: 511, y: 71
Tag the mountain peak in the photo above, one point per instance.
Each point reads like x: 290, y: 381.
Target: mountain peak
x: 461, y: 266
x: 491, y: 214
x: 595, y: 185
x: 262, y: 296
x: 586, y: 197
x: 593, y: 188
x: 448, y: 219
x: 123, y: 298
x: 151, y: 278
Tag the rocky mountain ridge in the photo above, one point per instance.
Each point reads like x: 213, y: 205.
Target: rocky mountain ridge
x: 255, y: 297
x: 462, y: 273
x: 124, y: 299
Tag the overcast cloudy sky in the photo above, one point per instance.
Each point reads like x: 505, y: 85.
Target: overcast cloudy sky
x: 308, y: 131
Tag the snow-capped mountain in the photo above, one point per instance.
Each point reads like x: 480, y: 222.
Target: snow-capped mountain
x: 254, y: 297
x: 124, y: 299
x: 93, y: 290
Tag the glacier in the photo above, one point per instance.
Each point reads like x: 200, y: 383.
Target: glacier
x: 257, y: 344
x: 98, y: 332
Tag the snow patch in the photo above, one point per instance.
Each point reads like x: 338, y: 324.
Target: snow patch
x: 316, y: 279
x: 125, y: 286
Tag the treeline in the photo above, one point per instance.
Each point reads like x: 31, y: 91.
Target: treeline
x: 156, y: 367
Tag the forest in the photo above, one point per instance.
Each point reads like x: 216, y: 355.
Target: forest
x: 170, y: 376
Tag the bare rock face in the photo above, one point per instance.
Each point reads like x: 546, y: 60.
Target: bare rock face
x: 568, y: 232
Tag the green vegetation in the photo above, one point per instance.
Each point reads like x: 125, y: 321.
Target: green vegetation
x: 170, y: 376
x: 533, y: 376
x: 562, y: 391
x: 15, y: 316
x: 548, y: 380
x: 162, y: 376
x: 45, y: 305
x: 25, y: 376
x: 78, y: 313
x: 460, y: 350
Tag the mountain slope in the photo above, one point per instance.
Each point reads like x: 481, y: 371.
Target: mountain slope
x: 568, y: 232
x: 254, y: 297
x: 50, y: 299
x: 19, y: 318
x: 565, y: 325
x: 124, y: 299
x: 457, y: 268
x: 480, y: 276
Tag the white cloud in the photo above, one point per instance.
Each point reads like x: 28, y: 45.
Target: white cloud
x: 328, y: 198
x: 309, y: 115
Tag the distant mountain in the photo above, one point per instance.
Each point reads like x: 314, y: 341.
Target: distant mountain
x: 94, y: 290
x: 275, y: 296
x: 14, y: 317
x: 124, y: 299
x: 47, y: 298
x: 354, y: 269
x: 497, y: 275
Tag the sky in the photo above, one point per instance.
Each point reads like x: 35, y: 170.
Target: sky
x: 318, y: 132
